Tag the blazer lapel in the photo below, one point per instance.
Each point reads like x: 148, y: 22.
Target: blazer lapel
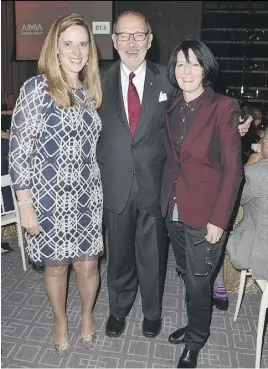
x: 200, y: 120
x: 117, y: 97
x: 168, y: 128
x: 150, y: 96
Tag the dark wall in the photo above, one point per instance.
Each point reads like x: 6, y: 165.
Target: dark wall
x: 13, y: 73
x: 171, y: 21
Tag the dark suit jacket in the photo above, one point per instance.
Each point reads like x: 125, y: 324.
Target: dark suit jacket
x: 208, y: 167
x: 120, y: 155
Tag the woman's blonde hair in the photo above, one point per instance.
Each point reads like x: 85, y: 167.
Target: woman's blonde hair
x: 49, y: 65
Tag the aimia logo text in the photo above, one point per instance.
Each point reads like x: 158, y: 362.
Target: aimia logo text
x: 31, y: 29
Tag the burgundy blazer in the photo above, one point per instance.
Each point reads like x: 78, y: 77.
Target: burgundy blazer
x: 208, y: 167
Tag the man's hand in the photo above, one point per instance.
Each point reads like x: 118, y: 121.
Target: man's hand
x: 214, y: 233
x: 244, y: 127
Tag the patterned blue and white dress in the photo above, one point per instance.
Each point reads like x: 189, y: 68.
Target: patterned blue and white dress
x: 53, y: 153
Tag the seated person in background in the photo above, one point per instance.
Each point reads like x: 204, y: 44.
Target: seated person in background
x: 220, y: 298
x: 254, y: 157
x: 252, y: 136
x: 248, y: 245
x: 6, y: 112
x: 9, y: 102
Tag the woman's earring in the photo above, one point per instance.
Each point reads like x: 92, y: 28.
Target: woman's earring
x: 86, y: 63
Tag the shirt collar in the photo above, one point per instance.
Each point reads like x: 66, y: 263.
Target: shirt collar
x: 194, y: 104
x: 138, y: 71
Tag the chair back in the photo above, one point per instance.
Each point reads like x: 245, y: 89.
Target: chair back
x: 13, y: 216
x: 261, y: 283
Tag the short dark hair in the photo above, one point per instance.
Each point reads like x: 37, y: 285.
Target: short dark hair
x: 204, y: 56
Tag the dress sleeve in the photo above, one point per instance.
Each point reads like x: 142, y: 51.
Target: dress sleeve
x: 25, y: 125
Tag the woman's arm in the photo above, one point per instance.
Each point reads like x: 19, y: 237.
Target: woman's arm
x: 231, y: 164
x: 24, y: 128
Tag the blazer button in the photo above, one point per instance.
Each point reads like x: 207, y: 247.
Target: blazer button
x: 129, y: 169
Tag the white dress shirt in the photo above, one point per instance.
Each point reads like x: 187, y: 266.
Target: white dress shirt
x: 138, y: 81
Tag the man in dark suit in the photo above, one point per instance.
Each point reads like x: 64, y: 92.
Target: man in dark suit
x: 131, y: 158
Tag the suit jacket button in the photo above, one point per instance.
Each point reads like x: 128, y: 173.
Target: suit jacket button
x: 129, y: 169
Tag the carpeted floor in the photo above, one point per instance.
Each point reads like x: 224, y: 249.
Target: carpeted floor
x: 27, y: 322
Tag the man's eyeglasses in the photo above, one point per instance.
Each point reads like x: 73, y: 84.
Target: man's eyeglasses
x: 139, y: 36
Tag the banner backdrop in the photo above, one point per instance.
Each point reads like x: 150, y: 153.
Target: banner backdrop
x: 33, y: 20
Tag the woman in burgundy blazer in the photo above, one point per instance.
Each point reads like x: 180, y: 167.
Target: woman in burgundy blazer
x: 201, y: 182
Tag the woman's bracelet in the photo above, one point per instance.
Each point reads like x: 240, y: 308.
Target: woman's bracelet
x: 22, y: 203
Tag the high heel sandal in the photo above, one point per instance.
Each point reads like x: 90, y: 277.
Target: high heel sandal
x: 62, y: 349
x: 87, y: 340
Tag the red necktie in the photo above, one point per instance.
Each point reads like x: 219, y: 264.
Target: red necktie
x: 134, y: 106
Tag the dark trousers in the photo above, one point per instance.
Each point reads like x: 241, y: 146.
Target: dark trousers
x: 197, y: 265
x: 137, y: 253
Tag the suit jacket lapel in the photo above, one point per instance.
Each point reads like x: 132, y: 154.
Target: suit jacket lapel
x: 150, y: 96
x: 115, y: 89
x: 200, y: 120
x: 168, y: 128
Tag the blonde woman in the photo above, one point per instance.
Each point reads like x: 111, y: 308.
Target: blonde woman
x: 54, y: 132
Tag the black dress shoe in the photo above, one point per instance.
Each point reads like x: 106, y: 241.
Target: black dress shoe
x: 221, y: 303
x: 5, y: 248
x: 188, y: 359
x: 115, y: 326
x: 177, y: 336
x: 151, y: 328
